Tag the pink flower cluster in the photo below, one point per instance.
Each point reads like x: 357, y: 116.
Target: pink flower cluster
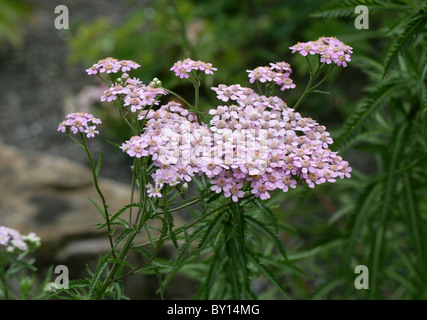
x: 14, y: 240
x: 254, y: 144
x: 134, y: 93
x: 112, y: 65
x: 331, y: 50
x: 80, y: 122
x: 259, y: 141
x: 182, y: 68
x: 171, y: 137
x: 278, y: 73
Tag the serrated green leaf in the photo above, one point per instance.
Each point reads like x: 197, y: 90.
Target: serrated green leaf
x: 121, y: 236
x: 388, y: 198
x: 366, y: 204
x: 316, y: 250
x: 260, y: 226
x: 212, y: 276
x: 170, y: 223
x: 122, y: 210
x: 411, y: 29
x: 211, y: 230
x: 147, y: 254
x: 239, y: 224
x: 345, y: 8
x: 269, y: 275
x: 414, y: 217
x: 100, y: 210
x: 322, y: 292
x: 98, y: 165
x: 267, y: 211
x: 366, y: 110
x: 119, y: 261
x: 160, y: 280
x: 102, y: 264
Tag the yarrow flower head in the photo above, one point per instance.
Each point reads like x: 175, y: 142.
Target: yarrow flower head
x: 331, y: 50
x: 13, y: 240
x: 112, y: 65
x: 80, y: 122
x: 277, y: 73
x: 182, y: 68
x: 254, y: 145
x: 135, y: 94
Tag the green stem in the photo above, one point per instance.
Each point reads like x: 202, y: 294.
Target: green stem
x: 159, y: 244
x: 196, y: 100
x: 306, y: 92
x: 98, y: 190
x: 132, y: 193
x: 103, y: 80
x: 126, y: 247
x: 188, y: 200
x: 310, y: 68
x: 324, y: 78
x: 113, y: 270
x: 185, y: 205
x: 310, y: 87
x: 180, y: 98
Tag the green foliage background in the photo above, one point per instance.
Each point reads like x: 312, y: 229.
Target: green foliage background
x: 376, y: 115
x: 13, y: 15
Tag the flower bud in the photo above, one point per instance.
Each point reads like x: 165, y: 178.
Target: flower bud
x: 157, y: 83
x: 184, y: 187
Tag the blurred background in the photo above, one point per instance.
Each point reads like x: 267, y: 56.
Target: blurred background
x: 43, y: 77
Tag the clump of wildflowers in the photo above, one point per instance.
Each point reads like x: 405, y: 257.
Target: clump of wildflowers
x: 13, y: 240
x: 331, y: 50
x: 255, y: 144
x: 249, y: 145
x: 80, y: 122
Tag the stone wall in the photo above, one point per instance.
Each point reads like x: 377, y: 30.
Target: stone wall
x: 48, y: 195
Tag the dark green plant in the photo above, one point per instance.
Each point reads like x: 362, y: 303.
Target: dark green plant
x: 387, y: 223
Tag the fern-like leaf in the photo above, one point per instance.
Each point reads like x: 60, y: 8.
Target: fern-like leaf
x: 211, y: 230
x: 388, y: 198
x: 345, y: 8
x: 267, y: 211
x: 367, y: 108
x: 414, y: 26
x: 260, y: 226
x: 366, y: 204
x: 170, y: 222
x: 268, y: 274
x: 95, y: 281
x: 213, y: 273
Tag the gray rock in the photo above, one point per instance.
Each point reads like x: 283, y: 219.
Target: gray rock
x: 48, y: 195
